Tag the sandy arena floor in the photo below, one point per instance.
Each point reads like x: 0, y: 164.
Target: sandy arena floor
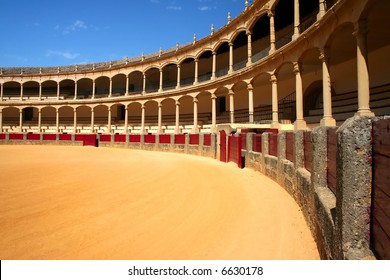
x: 99, y: 203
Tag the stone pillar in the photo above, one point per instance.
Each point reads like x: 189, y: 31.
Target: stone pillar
x: 21, y: 91
x: 93, y: 89
x: 1, y: 91
x: 127, y: 85
x: 249, y: 34
x: 110, y: 89
x: 57, y: 120
x: 353, y: 192
x: 39, y: 120
x: 144, y: 84
x: 20, y: 120
x: 75, y: 89
x: 300, y: 122
x: 213, y: 76
x: 177, y: 118
x: 250, y: 105
x: 322, y: 11
x: 362, y: 70
x: 1, y: 120
x: 159, y: 130
x: 196, y: 71
x: 142, y: 119
x: 58, y: 90
x: 231, y: 105
x: 275, y: 109
x: 271, y: 16
x: 178, y: 76
x: 296, y: 20
x: 109, y: 120
x: 231, y: 58
x: 92, y: 120
x: 195, y: 128
x: 327, y: 120
x: 40, y: 91
x: 161, y: 80
x: 126, y: 120
x: 213, y: 114
x: 74, y: 120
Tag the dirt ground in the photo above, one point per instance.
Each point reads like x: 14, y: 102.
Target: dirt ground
x: 98, y: 203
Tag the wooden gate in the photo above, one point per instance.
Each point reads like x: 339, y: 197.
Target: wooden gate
x: 234, y: 150
x: 380, y: 219
x: 222, y: 146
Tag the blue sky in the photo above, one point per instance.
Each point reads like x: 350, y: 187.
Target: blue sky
x: 66, y: 32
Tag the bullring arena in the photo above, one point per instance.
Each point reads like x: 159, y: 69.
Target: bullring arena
x: 296, y: 95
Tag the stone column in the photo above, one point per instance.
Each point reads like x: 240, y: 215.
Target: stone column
x: 92, y: 120
x: 75, y: 89
x: 296, y: 20
x: 127, y: 85
x: 275, y: 109
x: 57, y: 120
x: 1, y: 120
x: 109, y: 120
x: 250, y: 106
x: 110, y: 89
x: 271, y: 16
x: 1, y: 91
x: 126, y: 120
x: 327, y: 120
x: 249, y: 34
x: 300, y: 122
x: 40, y: 91
x: 20, y: 120
x: 178, y: 76
x: 58, y: 90
x: 322, y: 11
x: 142, y: 119
x: 39, y: 120
x: 231, y: 58
x: 159, y: 130
x: 231, y: 105
x: 362, y: 69
x: 161, y: 80
x: 93, y: 89
x: 195, y: 128
x: 21, y: 91
x: 213, y: 113
x: 74, y: 120
x: 177, y: 119
x: 144, y: 84
x: 213, y: 76
x: 196, y: 72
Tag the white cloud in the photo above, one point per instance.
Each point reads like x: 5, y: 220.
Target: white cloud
x: 174, y: 8
x: 204, y: 8
x: 77, y: 25
x: 66, y: 55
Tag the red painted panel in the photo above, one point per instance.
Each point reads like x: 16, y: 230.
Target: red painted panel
x: 33, y: 137
x: 16, y: 136
x: 105, y: 138
x: 180, y: 139
x: 380, y: 219
x: 290, y: 146
x: 273, y: 144
x: 65, y: 137
x: 243, y: 141
x: 50, y: 137
x: 207, y: 140
x: 194, y: 139
x: 256, y: 143
x: 89, y: 140
x: 165, y: 139
x: 79, y: 137
x: 121, y: 138
x: 234, y: 151
x: 2, y: 136
x: 331, y: 161
x: 222, y: 148
x: 135, y: 138
x: 308, y: 150
x: 150, y: 138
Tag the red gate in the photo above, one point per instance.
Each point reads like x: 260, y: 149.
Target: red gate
x: 234, y: 150
x: 380, y: 220
x: 222, y: 146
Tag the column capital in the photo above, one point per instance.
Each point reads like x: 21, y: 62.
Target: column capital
x: 214, y: 53
x: 196, y: 100
x: 297, y: 68
x: 250, y: 86
x: 361, y: 28
x: 159, y: 105
x: 231, y: 92
x: 274, y: 79
x: 231, y: 44
x: 143, y: 106
x: 74, y: 110
x: 196, y: 60
x: 324, y: 54
x: 178, y: 66
x: 270, y: 13
x: 213, y: 96
x: 92, y: 109
x: 248, y: 33
x: 177, y: 103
